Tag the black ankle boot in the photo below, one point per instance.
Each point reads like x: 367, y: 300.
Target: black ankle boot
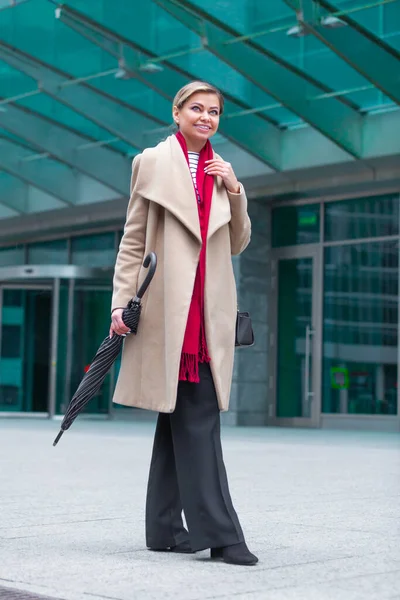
x: 182, y: 548
x: 238, y: 554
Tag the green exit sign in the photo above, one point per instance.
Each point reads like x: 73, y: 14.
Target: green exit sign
x: 307, y: 219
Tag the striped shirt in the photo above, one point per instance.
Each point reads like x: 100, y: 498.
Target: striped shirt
x: 193, y: 162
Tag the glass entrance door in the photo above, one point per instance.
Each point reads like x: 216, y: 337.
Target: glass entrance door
x: 52, y: 320
x: 25, y: 330
x: 295, y: 338
x: 85, y: 322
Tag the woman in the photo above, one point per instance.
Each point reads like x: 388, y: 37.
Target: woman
x: 187, y: 205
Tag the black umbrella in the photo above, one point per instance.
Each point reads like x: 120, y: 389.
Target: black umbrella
x: 107, y: 353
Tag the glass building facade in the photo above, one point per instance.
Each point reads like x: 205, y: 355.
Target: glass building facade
x: 53, y: 320
x: 311, y: 125
x: 332, y: 308
x: 337, y: 307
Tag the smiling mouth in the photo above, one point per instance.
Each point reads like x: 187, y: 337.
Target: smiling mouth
x: 203, y: 127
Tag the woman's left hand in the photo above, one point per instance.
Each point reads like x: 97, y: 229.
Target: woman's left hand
x: 220, y: 168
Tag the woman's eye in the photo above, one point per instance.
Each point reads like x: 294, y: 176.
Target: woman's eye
x: 214, y: 113
x: 195, y: 108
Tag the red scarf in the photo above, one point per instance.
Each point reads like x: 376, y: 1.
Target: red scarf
x: 194, y: 349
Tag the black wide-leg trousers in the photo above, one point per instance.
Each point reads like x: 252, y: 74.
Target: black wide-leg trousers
x: 187, y: 472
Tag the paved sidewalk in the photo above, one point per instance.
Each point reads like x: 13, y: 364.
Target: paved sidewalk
x: 321, y: 509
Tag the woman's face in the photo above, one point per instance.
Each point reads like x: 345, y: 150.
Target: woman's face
x: 198, y: 119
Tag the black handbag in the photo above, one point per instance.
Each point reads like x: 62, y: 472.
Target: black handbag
x: 244, y: 330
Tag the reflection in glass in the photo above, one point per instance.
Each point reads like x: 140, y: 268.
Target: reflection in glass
x: 361, y: 328
x: 48, y: 253
x: 94, y: 250
x: 24, y: 351
x: 12, y: 256
x: 362, y: 218
x: 91, y: 322
x: 293, y: 225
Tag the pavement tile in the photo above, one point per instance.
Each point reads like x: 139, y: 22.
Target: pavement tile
x: 7, y: 593
x: 321, y: 510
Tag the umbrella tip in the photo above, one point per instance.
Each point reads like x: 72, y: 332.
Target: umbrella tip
x: 58, y: 438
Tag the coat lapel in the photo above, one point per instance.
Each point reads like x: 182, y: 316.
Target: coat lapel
x: 164, y: 178
x: 220, y: 213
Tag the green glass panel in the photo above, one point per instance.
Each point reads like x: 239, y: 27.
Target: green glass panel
x: 24, y: 353
x: 292, y: 225
x: 360, y: 350
x: 33, y: 28
x: 12, y: 256
x: 362, y: 217
x: 391, y: 24
x: 13, y: 297
x: 63, y: 395
x: 94, y: 250
x: 48, y: 253
x: 48, y: 107
x: 12, y: 351
x: 37, y: 343
x: 294, y: 314
x: 91, y: 326
x: 331, y: 70
x: 310, y: 54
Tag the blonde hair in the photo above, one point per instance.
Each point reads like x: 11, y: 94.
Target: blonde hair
x: 193, y: 87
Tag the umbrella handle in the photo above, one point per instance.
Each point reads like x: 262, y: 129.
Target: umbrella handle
x: 151, y: 259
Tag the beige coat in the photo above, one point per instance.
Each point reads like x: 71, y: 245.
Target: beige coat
x: 162, y: 216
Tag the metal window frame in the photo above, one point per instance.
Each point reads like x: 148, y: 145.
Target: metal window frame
x: 288, y: 253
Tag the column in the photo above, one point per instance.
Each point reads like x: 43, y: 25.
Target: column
x: 249, y: 397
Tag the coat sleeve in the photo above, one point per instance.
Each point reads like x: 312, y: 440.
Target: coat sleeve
x: 132, y: 247
x: 240, y: 224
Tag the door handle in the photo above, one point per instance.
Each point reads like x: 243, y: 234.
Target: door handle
x: 308, y: 394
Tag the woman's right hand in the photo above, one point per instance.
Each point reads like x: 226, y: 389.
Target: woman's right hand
x: 117, y: 324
